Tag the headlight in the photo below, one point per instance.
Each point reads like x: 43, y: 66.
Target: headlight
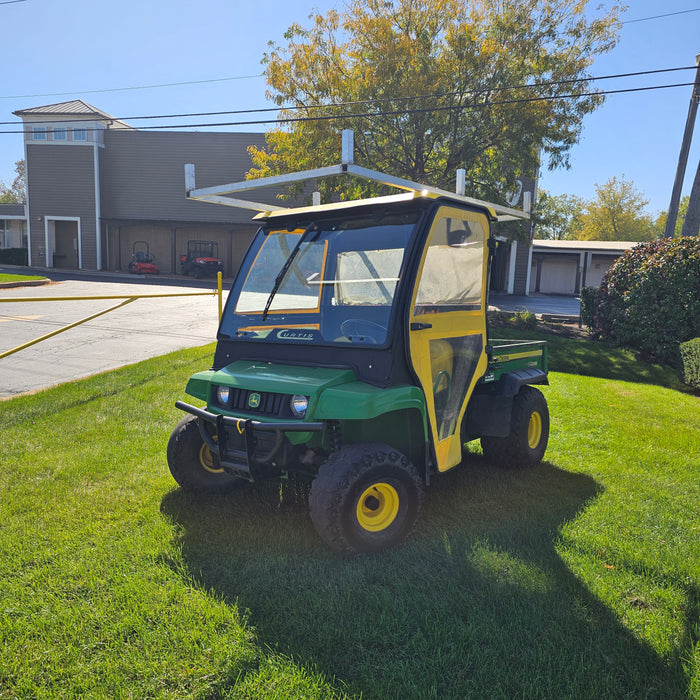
x: 299, y: 404
x: 223, y: 394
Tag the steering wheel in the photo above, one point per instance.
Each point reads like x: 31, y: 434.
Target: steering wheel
x: 362, y: 329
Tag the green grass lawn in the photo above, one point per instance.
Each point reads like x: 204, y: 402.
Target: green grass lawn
x: 19, y: 278
x: 577, y: 579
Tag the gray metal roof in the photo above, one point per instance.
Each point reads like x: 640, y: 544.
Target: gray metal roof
x: 74, y: 108
x: 65, y: 108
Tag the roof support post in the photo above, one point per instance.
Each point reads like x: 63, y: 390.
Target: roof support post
x: 461, y: 185
x: 348, y: 147
x: 189, y: 177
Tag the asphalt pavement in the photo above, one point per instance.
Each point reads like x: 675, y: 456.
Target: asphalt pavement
x: 142, y: 329
x: 538, y: 304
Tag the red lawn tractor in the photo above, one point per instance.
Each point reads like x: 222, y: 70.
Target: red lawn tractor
x: 142, y: 260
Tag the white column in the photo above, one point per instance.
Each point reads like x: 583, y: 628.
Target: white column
x: 98, y: 213
x: 511, y: 266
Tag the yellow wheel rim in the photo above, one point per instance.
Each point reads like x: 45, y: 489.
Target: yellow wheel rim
x: 377, y: 507
x: 534, y: 430
x: 206, y: 459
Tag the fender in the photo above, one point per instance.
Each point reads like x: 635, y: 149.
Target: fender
x: 488, y: 413
x: 511, y: 382
x: 361, y: 401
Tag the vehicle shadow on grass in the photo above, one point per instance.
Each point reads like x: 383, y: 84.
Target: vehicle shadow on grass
x: 478, y: 603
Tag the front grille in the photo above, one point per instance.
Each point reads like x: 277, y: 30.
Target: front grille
x: 269, y: 404
x: 259, y: 403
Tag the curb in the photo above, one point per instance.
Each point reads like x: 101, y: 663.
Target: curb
x: 27, y: 283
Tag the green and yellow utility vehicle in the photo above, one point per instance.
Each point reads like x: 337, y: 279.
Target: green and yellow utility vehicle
x: 354, y: 350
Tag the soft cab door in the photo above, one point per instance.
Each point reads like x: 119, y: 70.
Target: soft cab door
x: 448, y: 323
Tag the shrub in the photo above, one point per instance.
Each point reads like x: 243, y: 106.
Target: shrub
x: 524, y: 319
x: 588, y: 306
x: 690, y: 358
x: 649, y: 299
x: 13, y: 256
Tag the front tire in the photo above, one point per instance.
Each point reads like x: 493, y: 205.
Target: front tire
x: 529, y: 432
x: 191, y: 462
x: 365, y: 498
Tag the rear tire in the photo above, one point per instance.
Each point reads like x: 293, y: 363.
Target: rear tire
x: 529, y: 432
x: 191, y: 462
x: 365, y: 498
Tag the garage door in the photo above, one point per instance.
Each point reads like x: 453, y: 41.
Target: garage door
x: 558, y: 276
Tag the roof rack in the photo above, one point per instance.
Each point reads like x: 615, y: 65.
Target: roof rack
x: 218, y: 194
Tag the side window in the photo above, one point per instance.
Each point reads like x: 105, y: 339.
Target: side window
x: 452, y: 274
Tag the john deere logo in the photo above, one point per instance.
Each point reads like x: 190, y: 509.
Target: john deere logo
x: 254, y: 400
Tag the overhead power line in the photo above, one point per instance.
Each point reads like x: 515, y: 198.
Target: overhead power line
x: 398, y: 112
x: 668, y: 14
x: 550, y: 83
x: 123, y: 89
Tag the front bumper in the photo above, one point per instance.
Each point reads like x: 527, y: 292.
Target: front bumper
x: 245, y: 447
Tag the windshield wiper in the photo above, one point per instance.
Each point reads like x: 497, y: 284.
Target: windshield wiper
x: 287, y: 264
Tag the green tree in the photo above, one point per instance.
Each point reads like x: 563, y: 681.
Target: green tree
x: 15, y: 192
x: 617, y: 214
x: 430, y: 86
x: 558, y: 217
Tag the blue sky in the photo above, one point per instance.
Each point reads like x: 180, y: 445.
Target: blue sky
x: 92, y: 50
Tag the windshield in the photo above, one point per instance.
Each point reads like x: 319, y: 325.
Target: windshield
x: 331, y: 282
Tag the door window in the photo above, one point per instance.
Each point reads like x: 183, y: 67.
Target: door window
x: 451, y: 279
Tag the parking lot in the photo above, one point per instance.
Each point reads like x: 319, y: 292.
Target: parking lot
x: 142, y: 329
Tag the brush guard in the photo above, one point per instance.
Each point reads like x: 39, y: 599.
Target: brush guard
x: 245, y: 447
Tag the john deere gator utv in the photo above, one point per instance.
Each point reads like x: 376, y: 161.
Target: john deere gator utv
x: 354, y: 349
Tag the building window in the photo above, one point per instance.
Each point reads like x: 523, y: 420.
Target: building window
x: 79, y: 134
x: 39, y: 133
x: 59, y: 134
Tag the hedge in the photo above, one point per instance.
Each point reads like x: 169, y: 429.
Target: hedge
x: 649, y: 299
x: 690, y: 358
x: 588, y: 306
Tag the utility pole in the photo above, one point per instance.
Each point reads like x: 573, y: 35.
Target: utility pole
x: 683, y: 157
x: 691, y: 223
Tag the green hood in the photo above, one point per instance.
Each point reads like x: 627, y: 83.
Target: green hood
x: 269, y: 377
